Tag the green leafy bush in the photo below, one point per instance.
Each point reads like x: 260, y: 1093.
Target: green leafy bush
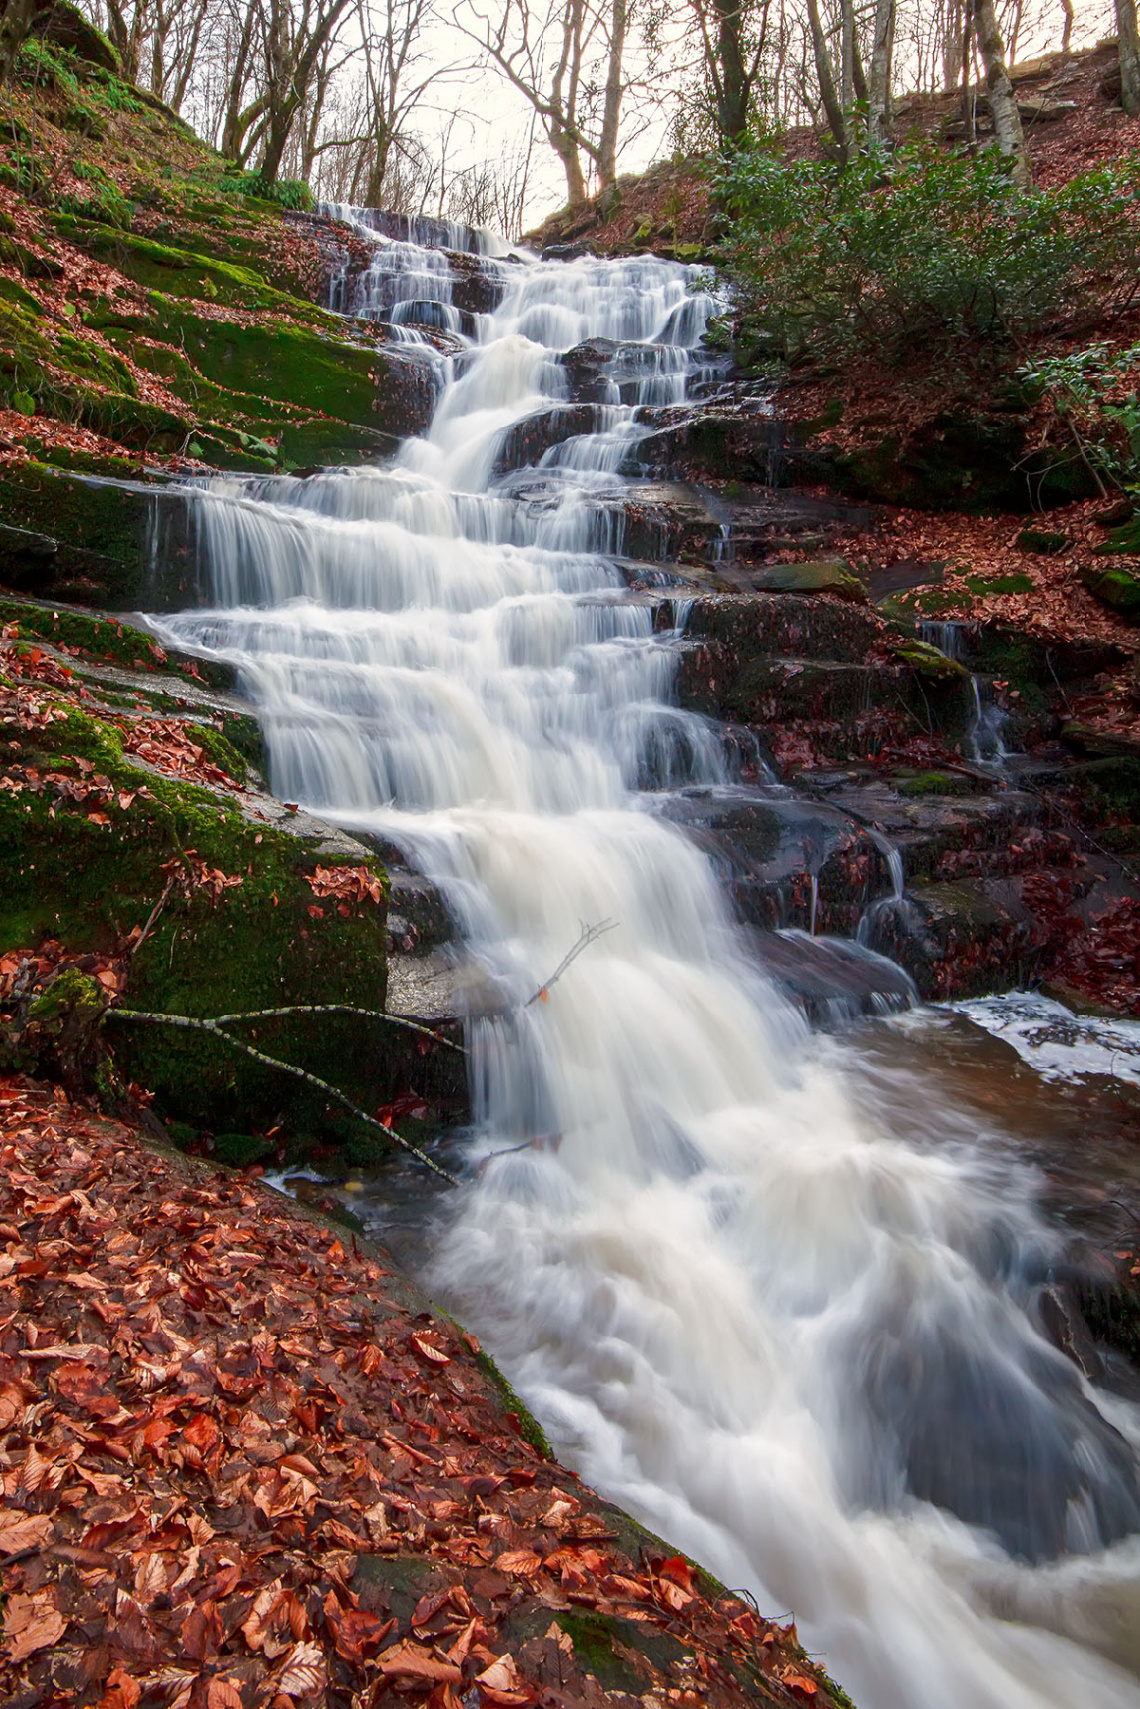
x: 1095, y: 393
x: 921, y: 253
x: 288, y: 192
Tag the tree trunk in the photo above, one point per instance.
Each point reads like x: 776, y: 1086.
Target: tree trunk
x: 1129, y: 33
x: 233, y: 129
x: 125, y: 39
x: 15, y: 28
x: 836, y: 118
x: 382, y: 138
x: 567, y: 151
x: 733, y: 83
x: 999, y: 89
x: 879, y: 95
x: 611, y: 111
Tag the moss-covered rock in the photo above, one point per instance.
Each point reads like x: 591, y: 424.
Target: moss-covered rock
x: 260, y: 940
x: 820, y: 575
x: 118, y: 545
x: 307, y: 444
x: 1125, y: 539
x: 931, y: 663
x: 1116, y: 586
x: 1041, y: 540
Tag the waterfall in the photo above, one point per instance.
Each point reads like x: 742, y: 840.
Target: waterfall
x: 766, y: 1295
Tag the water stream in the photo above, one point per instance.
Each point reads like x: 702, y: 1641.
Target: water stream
x: 761, y: 1288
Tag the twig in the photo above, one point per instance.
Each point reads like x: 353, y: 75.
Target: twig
x: 152, y: 919
x: 588, y: 935
x: 340, y: 1009
x: 192, y: 1023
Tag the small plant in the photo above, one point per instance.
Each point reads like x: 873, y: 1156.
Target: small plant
x: 1094, y: 393
x: 291, y: 193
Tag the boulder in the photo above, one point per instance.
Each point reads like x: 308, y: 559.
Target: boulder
x: 819, y: 575
x: 1116, y: 586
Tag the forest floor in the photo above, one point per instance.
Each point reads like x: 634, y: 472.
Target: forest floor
x: 243, y: 1463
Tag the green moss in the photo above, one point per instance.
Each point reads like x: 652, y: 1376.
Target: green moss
x: 529, y: 1428
x: 101, y: 517
x: 1015, y: 582
x: 239, y: 1150
x: 257, y: 945
x: 933, y: 783
x: 180, y: 271
x: 11, y: 291
x: 1124, y: 540
x: 1042, y: 541
x: 931, y: 662
x: 101, y: 637
x: 69, y: 991
x: 1114, y: 586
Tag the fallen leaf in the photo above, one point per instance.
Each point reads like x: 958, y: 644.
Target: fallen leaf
x: 31, y: 1623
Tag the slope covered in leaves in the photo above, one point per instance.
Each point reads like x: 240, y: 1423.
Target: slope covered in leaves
x: 244, y: 1465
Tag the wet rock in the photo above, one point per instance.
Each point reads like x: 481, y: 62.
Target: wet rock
x: 477, y: 285
x: 784, y: 861
x: 819, y: 575
x: 587, y: 369
x: 733, y: 444
x: 831, y: 980
x: 117, y: 545
x: 528, y: 440
x: 744, y: 625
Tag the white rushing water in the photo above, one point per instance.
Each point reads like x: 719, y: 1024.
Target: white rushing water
x: 762, y: 1294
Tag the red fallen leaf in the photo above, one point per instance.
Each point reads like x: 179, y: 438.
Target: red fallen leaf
x: 356, y: 1633
x: 223, y: 1694
x: 501, y: 1683
x: 428, y: 1606
x: 410, y: 1661
x: 426, y: 1350
x: 800, y: 1686
x: 122, y: 1691
x: 31, y: 1623
x: 202, y: 1635
x: 202, y: 1432
x: 520, y: 1563
x: 482, y: 1484
x: 303, y: 1672
x: 678, y: 1570
x: 673, y: 1596
x: 20, y: 1531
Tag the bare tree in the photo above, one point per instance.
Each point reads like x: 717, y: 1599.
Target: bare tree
x: 556, y: 58
x: 837, y: 116
x: 999, y: 93
x: 294, y: 38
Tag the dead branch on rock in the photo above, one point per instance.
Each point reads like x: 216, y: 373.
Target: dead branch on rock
x: 193, y: 1023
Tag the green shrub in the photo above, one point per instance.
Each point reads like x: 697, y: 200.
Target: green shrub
x: 923, y: 253
x: 1095, y: 393
x: 287, y: 192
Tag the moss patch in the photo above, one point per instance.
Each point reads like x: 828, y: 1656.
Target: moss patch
x: 261, y: 943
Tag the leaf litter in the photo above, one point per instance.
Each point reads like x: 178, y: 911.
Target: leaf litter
x: 228, y: 1444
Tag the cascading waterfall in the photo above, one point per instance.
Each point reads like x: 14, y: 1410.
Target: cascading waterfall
x: 760, y: 1292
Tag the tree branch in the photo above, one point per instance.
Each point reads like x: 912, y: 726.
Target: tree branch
x: 191, y: 1023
